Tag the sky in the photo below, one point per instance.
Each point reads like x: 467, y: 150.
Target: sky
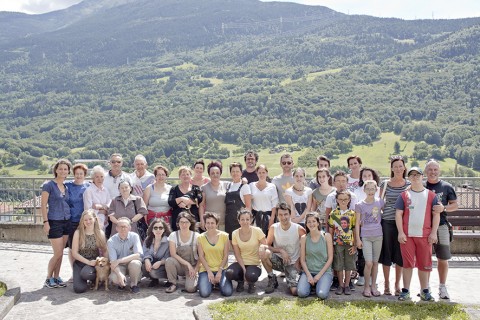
x: 405, y: 9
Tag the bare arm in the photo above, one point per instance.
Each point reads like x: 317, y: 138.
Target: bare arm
x: 402, y: 238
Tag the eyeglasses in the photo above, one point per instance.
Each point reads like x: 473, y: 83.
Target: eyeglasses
x: 157, y: 228
x: 116, y: 161
x: 343, y: 199
x: 184, y: 222
x: 287, y: 162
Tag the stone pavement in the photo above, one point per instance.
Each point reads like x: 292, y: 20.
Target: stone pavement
x: 24, y: 265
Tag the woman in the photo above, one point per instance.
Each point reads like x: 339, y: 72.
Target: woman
x: 184, y: 196
x: 56, y: 219
x: 88, y: 243
x: 156, y: 195
x: 183, y: 254
x: 324, y: 181
x: 126, y: 205
x: 96, y: 197
x: 316, y: 257
x: 213, y: 194
x: 299, y: 197
x: 76, y: 189
x: 213, y: 247
x: 198, y: 168
x: 246, y: 242
x: 237, y: 195
x: 156, y: 251
x: 264, y: 199
x: 389, y: 192
x: 366, y: 174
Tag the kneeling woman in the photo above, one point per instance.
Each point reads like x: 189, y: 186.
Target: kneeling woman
x: 88, y: 243
x: 246, y: 242
x: 316, y: 256
x: 156, y: 251
x: 213, y: 247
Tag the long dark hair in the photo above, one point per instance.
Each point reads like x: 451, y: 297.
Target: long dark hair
x: 316, y: 216
x: 151, y: 236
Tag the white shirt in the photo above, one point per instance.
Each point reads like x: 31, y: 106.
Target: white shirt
x: 264, y: 200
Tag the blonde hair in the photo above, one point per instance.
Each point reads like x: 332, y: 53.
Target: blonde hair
x: 184, y: 168
x: 99, y: 235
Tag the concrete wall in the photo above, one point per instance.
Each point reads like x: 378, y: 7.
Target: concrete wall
x: 463, y: 243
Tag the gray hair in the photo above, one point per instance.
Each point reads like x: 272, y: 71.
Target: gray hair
x: 97, y: 169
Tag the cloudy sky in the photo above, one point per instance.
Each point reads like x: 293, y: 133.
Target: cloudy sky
x: 406, y: 9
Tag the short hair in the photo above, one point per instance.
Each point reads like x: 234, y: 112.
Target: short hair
x: 394, y: 159
x: 184, y: 168
x: 250, y: 152
x: 59, y: 162
x: 314, y: 215
x: 160, y: 167
x: 211, y: 215
x: 80, y: 166
x: 124, y: 219
x: 339, y: 173
x: 116, y: 155
x: 215, y: 164
x: 330, y: 178
x: 323, y: 158
x: 374, y: 172
x: 430, y: 162
x: 354, y: 157
x: 199, y: 161
x: 346, y: 192
x: 125, y: 182
x: 284, y: 206
x: 186, y: 215
x: 97, y: 169
x: 243, y: 211
x: 235, y: 164
x: 345, y: 218
x: 285, y: 155
x: 140, y: 157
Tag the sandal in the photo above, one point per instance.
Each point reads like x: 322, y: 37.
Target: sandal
x: 375, y: 293
x: 171, y: 289
x: 387, y: 291
x: 397, y: 292
x: 367, y: 294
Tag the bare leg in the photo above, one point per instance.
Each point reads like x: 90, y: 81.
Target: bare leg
x: 267, y: 263
x: 442, y: 266
x: 374, y: 274
x: 386, y: 275
x: 423, y: 277
x: 398, y: 277
x: 407, y: 277
x: 56, y: 261
x: 366, y: 273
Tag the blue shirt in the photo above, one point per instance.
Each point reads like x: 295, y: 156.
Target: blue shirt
x: 118, y: 248
x: 58, y: 208
x: 75, y: 199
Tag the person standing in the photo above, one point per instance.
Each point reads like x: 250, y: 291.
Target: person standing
x: 447, y: 199
x: 250, y: 172
x: 322, y: 162
x: 97, y: 197
x: 264, y: 200
x: 237, y: 196
x: 141, y: 177
x: 417, y: 226
x: 285, y: 180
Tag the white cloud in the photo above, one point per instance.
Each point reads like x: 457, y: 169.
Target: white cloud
x: 35, y: 6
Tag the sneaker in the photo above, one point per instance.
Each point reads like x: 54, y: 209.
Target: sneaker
x: 135, y: 289
x: 347, y: 291
x: 335, y: 284
x: 240, y: 286
x: 60, y: 282
x: 339, y: 290
x: 51, y: 283
x: 153, y: 283
x: 442, y: 292
x: 272, y: 284
x: 351, y: 286
x: 426, y: 296
x: 360, y: 282
x: 251, y: 288
x: 404, y: 295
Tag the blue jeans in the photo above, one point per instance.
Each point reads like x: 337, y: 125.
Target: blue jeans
x: 205, y: 287
x: 322, y: 287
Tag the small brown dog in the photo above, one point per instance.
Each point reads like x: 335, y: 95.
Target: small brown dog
x: 102, y: 268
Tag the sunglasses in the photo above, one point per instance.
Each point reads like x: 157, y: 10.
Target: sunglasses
x: 287, y: 162
x: 157, y: 228
x: 116, y: 161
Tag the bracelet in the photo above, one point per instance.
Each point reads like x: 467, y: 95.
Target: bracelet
x: 45, y: 221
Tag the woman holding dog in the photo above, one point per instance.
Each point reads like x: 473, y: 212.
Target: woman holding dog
x: 88, y: 244
x: 156, y: 251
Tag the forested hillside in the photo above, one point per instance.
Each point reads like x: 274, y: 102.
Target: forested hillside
x: 174, y: 79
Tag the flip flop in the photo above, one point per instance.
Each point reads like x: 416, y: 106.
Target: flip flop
x: 375, y: 293
x: 367, y: 294
x: 397, y: 292
x: 387, y: 291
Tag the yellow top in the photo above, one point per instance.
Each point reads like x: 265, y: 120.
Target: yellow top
x: 213, y: 253
x: 249, y: 249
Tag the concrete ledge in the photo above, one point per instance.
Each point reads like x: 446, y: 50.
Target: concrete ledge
x: 8, y: 300
x: 24, y: 232
x: 465, y: 243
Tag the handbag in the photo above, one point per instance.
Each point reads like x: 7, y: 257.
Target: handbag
x: 142, y: 226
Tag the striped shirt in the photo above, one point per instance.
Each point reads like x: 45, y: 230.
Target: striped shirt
x: 391, y: 195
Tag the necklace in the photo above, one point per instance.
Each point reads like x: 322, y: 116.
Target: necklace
x: 300, y: 190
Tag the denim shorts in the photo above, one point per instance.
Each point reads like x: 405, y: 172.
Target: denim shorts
x: 59, y: 228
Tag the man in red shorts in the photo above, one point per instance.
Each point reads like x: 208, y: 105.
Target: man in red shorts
x: 417, y: 226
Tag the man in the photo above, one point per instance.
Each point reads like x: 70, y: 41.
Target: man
x: 141, y: 177
x: 250, y: 171
x: 285, y: 180
x: 447, y: 202
x: 417, y: 225
x: 125, y: 251
x: 115, y: 175
x: 283, y: 252
x: 340, y: 182
x: 322, y: 162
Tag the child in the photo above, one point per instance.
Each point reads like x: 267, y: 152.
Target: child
x: 342, y: 224
x: 369, y: 235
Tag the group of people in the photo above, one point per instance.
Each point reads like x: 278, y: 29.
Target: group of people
x: 321, y: 235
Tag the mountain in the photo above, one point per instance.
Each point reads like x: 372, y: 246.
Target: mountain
x: 172, y: 79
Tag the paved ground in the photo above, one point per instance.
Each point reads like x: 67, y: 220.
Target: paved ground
x: 24, y: 265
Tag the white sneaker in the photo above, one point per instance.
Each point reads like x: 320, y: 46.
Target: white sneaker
x: 442, y: 292
x: 360, y: 281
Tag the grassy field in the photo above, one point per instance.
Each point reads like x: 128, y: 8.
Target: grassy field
x: 277, y: 308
